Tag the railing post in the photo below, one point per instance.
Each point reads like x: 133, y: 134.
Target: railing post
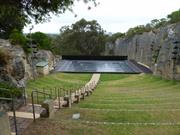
x: 24, y: 91
x: 59, y: 98
x: 51, y: 93
x: 55, y: 91
x: 70, y: 101
x: 44, y: 94
x: 83, y: 93
x: 14, y: 113
x: 32, y: 97
x: 37, y: 94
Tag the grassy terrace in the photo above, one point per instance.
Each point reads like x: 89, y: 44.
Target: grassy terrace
x: 121, y: 105
x: 58, y: 80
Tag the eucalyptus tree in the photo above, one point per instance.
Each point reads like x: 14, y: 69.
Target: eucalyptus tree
x: 82, y: 38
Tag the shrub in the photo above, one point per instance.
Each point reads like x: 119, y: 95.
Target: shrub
x: 174, y: 17
x: 114, y: 37
x: 42, y: 40
x: 17, y: 37
x: 10, y: 90
x: 136, y: 31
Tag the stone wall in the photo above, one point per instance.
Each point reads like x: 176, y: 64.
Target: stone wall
x: 159, y: 49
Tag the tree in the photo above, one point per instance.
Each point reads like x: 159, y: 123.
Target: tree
x: 17, y: 37
x: 136, y: 31
x: 174, y: 17
x: 42, y: 40
x: 158, y: 23
x: 114, y: 37
x: 82, y: 38
x: 18, y: 13
x: 10, y: 19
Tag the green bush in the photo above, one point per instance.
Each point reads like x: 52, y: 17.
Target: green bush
x: 136, y: 31
x: 174, y: 17
x: 43, y: 41
x: 17, y: 37
x: 114, y: 37
x: 10, y: 91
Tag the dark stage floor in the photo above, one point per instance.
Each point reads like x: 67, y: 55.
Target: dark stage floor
x: 97, y: 66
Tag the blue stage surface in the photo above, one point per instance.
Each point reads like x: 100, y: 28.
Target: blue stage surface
x: 97, y: 66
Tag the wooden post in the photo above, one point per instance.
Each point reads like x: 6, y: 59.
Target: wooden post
x: 59, y: 98
x: 70, y: 99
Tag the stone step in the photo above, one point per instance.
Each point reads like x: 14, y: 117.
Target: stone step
x: 26, y: 115
x: 13, y: 133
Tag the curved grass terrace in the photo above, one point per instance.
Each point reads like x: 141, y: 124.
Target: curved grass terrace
x: 120, y: 105
x: 54, y: 81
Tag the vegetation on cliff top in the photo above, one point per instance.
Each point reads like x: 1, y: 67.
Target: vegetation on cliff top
x: 174, y: 17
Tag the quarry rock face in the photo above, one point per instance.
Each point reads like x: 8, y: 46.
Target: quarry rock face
x: 47, y: 56
x: 17, y: 67
x: 17, y: 70
x: 159, y: 49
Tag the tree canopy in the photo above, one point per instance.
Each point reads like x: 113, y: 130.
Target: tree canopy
x: 174, y: 16
x: 42, y: 40
x: 114, y: 36
x: 10, y: 18
x: 82, y: 38
x: 15, y: 14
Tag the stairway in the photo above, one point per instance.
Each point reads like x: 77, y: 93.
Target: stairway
x: 24, y: 115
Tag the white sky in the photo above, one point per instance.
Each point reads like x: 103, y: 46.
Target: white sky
x: 112, y: 15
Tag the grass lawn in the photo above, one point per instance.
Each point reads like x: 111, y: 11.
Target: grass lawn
x: 57, y: 80
x: 121, y: 105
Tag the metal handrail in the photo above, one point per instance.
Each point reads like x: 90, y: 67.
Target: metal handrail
x: 32, y: 97
x: 13, y: 108
x: 58, y: 93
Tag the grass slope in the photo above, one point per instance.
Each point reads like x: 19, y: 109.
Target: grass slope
x: 140, y: 100
x: 58, y: 80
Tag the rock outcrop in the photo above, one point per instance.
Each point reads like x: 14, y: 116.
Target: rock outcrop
x: 159, y: 49
x: 16, y: 67
x: 47, y: 56
x: 17, y: 70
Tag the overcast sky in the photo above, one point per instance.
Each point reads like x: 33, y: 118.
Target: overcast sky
x: 112, y: 15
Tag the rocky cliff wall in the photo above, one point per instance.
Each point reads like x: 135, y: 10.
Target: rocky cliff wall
x: 17, y: 68
x: 159, y: 49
